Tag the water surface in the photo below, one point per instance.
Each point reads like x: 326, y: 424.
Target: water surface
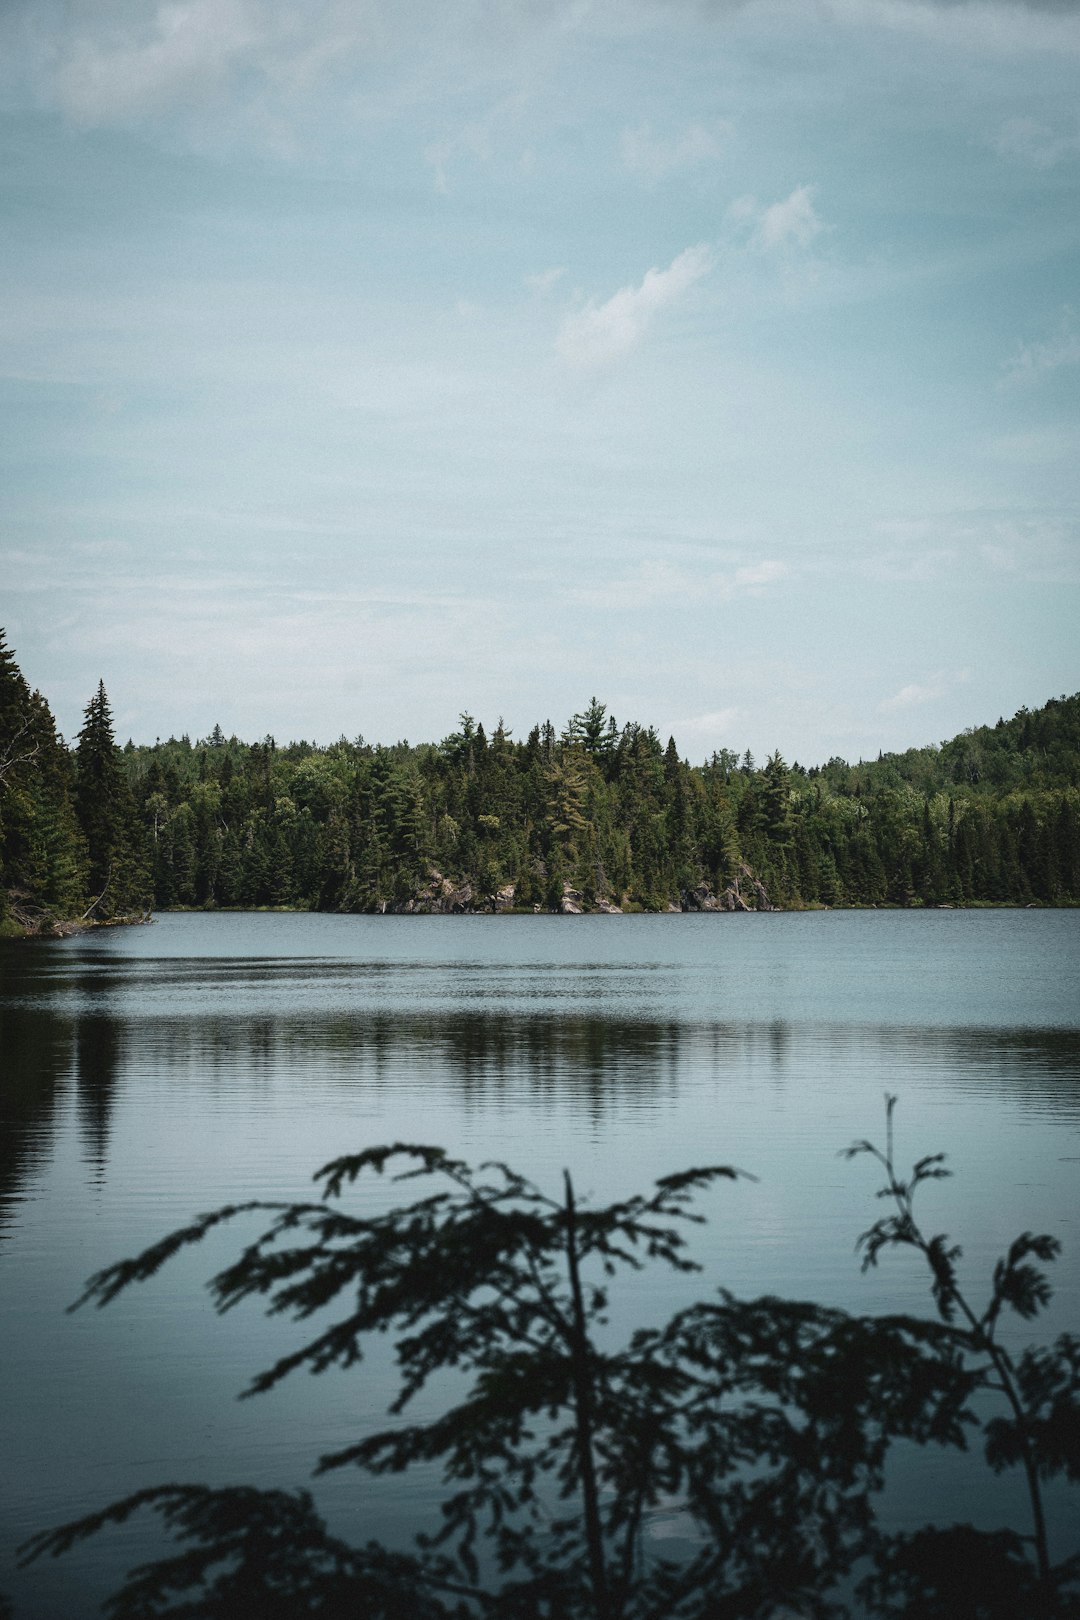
x: 153, y: 1072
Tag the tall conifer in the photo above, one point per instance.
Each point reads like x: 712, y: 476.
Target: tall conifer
x: 41, y: 850
x: 99, y: 790
x: 117, y: 871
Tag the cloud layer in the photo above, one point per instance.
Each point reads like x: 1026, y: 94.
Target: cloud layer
x: 336, y: 323
x: 107, y: 62
x: 1062, y: 348
x: 594, y: 337
x: 653, y: 157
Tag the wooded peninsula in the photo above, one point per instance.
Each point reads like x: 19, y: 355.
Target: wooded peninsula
x: 597, y: 817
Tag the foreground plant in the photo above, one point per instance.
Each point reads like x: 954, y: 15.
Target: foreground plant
x: 1039, y: 1430
x: 767, y: 1423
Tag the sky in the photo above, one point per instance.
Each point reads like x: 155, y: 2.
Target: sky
x: 365, y: 362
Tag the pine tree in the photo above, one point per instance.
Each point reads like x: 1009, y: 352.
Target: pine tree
x: 15, y: 744
x: 99, y: 790
x: 41, y: 851
x: 118, y: 872
x: 16, y: 749
x: 57, y: 857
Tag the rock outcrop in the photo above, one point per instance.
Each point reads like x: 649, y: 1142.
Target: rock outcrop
x: 732, y: 898
x: 703, y: 899
x: 440, y: 895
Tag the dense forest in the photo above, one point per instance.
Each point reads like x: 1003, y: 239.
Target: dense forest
x: 599, y: 816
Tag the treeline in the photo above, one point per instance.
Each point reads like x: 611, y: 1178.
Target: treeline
x: 598, y: 815
x: 72, y: 841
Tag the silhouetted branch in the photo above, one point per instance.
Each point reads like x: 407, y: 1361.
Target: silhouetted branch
x: 766, y: 1425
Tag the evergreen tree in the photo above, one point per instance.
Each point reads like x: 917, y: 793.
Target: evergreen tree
x: 117, y: 869
x: 41, y: 851
x: 56, y: 854
x: 16, y: 745
x: 989, y: 817
x: 99, y: 791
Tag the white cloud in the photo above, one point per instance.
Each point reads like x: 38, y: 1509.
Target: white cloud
x: 1062, y: 348
x: 649, y: 582
x: 185, y: 54
x: 269, y: 64
x: 1004, y: 28
x: 711, y: 724
x: 792, y: 222
x: 658, y: 581
x: 543, y: 281
x: 917, y: 693
x: 1039, y: 447
x: 911, y: 550
x: 1034, y: 143
x: 113, y: 61
x: 759, y: 574
x: 594, y: 337
x: 474, y: 142
x: 777, y: 227
x: 1033, y: 547
x: 910, y: 697
x: 999, y: 559
x: 907, y: 567
x: 653, y: 157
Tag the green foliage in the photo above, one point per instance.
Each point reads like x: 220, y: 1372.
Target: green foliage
x: 256, y: 1553
x: 606, y: 814
x: 601, y: 815
x: 42, y: 852
x: 1041, y: 1429
x: 767, y: 1422
x: 117, y: 874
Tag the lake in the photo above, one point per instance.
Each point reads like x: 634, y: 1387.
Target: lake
x: 150, y: 1073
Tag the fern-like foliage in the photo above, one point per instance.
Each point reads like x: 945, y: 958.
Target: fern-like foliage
x: 764, y: 1426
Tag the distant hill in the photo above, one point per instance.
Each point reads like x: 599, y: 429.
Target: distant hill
x: 1036, y: 749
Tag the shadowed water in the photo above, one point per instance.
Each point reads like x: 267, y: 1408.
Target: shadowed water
x: 151, y: 1073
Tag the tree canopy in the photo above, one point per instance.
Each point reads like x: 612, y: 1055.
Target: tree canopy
x: 600, y: 816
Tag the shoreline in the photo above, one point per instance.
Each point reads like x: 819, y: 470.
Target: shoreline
x: 604, y: 911
x: 67, y: 928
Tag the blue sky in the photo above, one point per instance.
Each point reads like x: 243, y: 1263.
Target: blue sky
x: 361, y: 363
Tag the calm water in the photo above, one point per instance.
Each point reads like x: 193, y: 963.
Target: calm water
x: 153, y: 1072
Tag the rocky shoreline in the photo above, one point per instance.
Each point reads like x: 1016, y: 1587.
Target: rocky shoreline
x: 441, y: 896
x: 46, y: 926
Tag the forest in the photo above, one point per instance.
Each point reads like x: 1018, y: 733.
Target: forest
x: 600, y: 816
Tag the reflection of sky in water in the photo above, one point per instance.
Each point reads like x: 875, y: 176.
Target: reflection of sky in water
x: 148, y: 1073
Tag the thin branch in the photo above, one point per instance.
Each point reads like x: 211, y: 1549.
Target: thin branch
x: 582, y: 1377
x: 95, y: 903
x: 9, y: 760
